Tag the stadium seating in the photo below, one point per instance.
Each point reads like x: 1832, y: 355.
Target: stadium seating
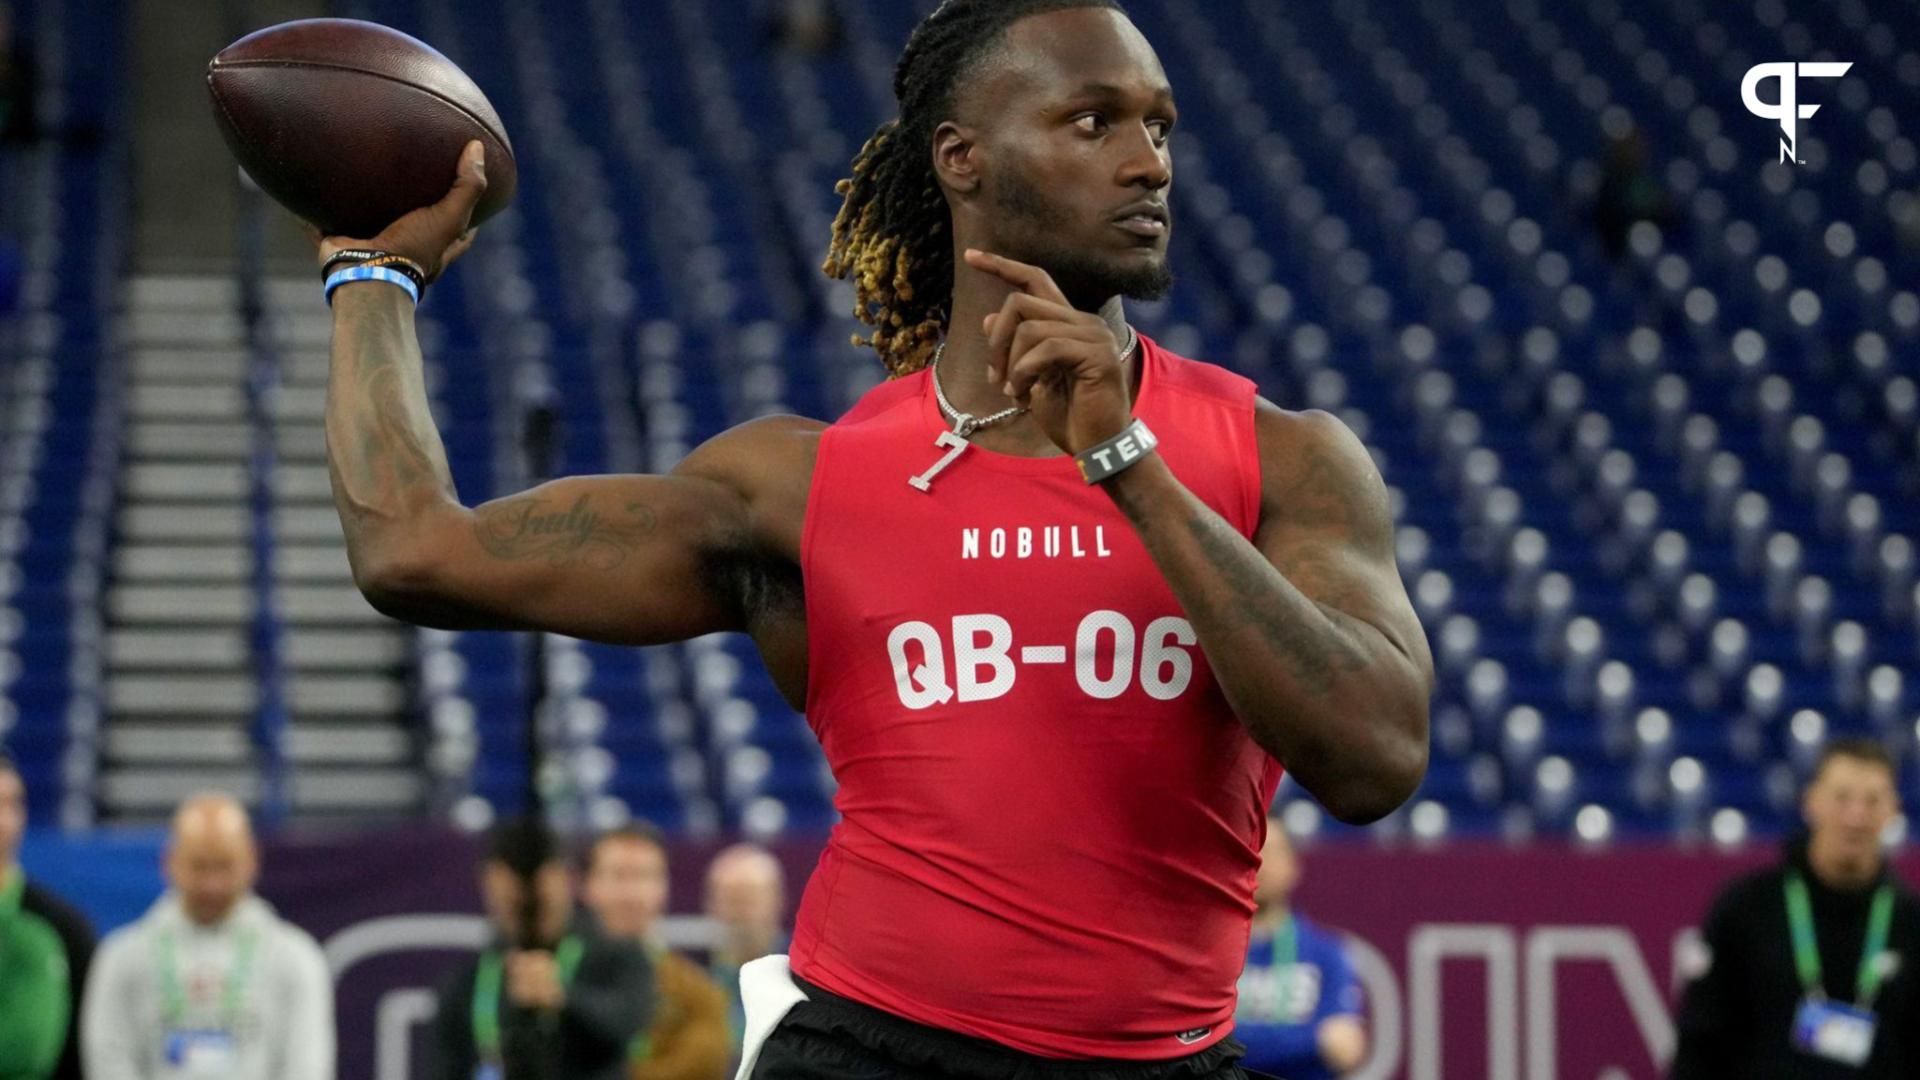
x: 1658, y: 510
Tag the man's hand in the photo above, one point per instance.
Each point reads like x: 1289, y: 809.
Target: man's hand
x: 533, y: 980
x: 1061, y: 362
x: 433, y: 236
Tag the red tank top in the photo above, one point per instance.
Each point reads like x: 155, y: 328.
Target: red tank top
x: 1050, y: 817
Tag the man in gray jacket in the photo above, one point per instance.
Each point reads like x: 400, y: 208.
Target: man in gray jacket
x: 210, y: 984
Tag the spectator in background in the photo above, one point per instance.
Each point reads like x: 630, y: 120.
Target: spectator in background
x: 1812, y: 968
x: 44, y: 950
x: 627, y: 889
x: 19, y: 84
x: 747, y: 897
x: 1629, y: 193
x: 805, y: 26
x: 552, y: 998
x: 1300, y: 1011
x: 210, y: 983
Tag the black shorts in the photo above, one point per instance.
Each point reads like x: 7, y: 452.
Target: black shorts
x: 828, y: 1037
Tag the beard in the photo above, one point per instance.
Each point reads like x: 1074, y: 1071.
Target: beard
x: 1088, y: 278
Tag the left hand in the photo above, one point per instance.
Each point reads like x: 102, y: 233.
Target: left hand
x: 1061, y: 362
x: 533, y: 980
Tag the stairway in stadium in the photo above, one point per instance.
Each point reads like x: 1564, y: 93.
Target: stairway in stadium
x: 239, y: 653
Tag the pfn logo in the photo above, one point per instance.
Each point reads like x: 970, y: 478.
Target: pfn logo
x: 1789, y: 112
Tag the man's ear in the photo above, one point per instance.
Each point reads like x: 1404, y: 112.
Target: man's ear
x: 956, y: 157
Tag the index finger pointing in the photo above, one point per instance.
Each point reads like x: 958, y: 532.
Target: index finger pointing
x: 1027, y: 278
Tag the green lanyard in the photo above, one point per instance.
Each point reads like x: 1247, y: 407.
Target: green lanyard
x: 1286, y: 944
x: 12, y: 887
x: 486, y: 993
x: 1806, y: 952
x: 233, y: 990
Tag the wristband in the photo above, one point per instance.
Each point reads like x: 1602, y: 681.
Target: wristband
x: 349, y: 255
x: 370, y: 257
x: 1118, y: 454
x: 372, y: 273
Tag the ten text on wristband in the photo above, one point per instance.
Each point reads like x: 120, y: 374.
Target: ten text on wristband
x: 1118, y: 454
x: 371, y: 273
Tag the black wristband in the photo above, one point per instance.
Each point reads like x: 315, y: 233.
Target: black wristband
x: 400, y: 264
x: 1118, y: 454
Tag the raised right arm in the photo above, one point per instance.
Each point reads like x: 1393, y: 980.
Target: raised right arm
x: 628, y: 559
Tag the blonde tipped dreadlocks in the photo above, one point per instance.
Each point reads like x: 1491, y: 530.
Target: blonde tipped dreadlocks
x: 892, y: 237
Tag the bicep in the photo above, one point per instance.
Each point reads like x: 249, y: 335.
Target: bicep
x: 1325, y: 524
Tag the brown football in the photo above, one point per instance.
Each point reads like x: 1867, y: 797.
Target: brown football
x: 351, y: 124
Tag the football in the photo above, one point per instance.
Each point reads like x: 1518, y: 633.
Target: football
x: 351, y: 124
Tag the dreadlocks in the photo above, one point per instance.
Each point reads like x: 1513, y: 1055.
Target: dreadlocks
x: 892, y: 236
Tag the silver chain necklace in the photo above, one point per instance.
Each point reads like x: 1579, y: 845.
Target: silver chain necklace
x: 955, y: 442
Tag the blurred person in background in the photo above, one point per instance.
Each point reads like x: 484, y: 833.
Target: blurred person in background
x: 1301, y: 1008
x: 210, y: 984
x: 1629, y: 193
x: 809, y: 27
x: 45, y: 947
x: 552, y: 998
x: 1809, y: 968
x: 19, y: 84
x: 747, y: 897
x: 627, y: 889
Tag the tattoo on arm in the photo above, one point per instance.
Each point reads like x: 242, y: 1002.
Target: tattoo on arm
x: 583, y: 534
x: 1316, y: 657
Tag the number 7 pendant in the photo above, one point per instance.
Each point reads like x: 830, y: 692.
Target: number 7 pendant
x: 958, y: 443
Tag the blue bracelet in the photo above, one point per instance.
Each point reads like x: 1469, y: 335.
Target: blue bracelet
x: 371, y: 273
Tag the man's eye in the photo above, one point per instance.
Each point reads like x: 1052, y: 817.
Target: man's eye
x: 1091, y: 123
x: 1162, y: 130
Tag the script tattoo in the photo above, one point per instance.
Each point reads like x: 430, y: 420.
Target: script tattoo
x: 579, y: 535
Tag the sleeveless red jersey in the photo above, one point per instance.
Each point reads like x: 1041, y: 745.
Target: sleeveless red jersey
x: 1050, y: 817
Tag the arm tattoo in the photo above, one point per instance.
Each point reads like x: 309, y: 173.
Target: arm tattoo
x: 529, y: 528
x: 1317, y: 656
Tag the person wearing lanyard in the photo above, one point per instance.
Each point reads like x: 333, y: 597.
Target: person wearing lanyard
x: 45, y: 947
x: 1806, y: 967
x: 626, y: 889
x: 210, y: 984
x: 1301, y: 1008
x: 551, y: 998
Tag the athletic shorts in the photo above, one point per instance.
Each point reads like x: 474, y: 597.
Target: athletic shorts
x: 828, y: 1037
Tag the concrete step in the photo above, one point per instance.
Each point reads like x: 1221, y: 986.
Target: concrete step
x: 179, y: 563
x: 344, y: 696
x: 161, y: 440
x: 220, y: 329
x: 307, y: 525
x: 300, y: 442
x: 171, y: 365
x: 302, y: 483
x: 357, y: 791
x: 297, y: 402
x: 185, y: 403
x: 189, y: 743
x: 347, y: 650
x: 174, y: 650
x: 169, y: 523
x: 186, y: 483
x: 178, y: 605
x: 173, y: 292
x: 319, y: 744
x: 150, y: 794
x: 323, y: 605
x: 313, y: 563
x: 203, y: 697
